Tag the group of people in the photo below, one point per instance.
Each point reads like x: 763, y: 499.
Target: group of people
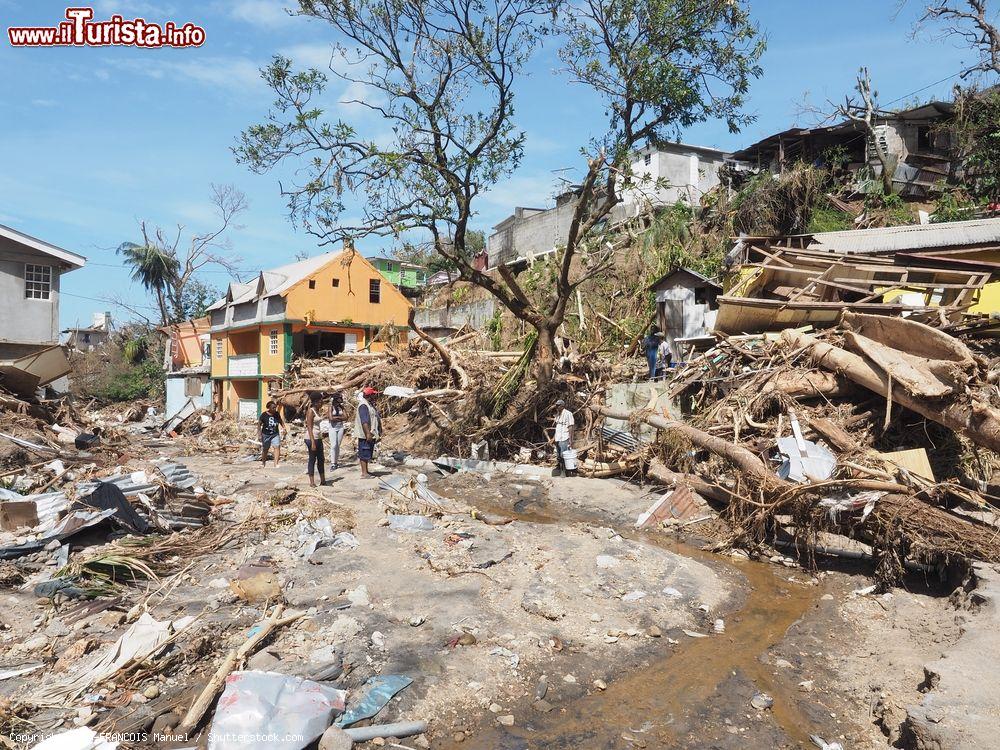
x: 325, y: 420
x: 658, y: 354
x: 330, y: 420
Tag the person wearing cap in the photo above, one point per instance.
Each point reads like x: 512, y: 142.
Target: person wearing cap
x: 651, y: 346
x: 563, y: 437
x: 367, y: 428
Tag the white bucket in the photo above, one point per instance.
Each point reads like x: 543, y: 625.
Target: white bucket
x: 569, y: 459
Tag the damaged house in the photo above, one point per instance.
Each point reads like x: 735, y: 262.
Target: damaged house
x: 930, y: 272
x: 918, y: 137
x: 30, y: 273
x: 321, y: 306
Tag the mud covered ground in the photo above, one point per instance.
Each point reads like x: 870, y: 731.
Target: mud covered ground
x: 542, y: 620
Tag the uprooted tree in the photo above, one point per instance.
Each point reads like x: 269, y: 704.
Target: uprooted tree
x: 443, y: 76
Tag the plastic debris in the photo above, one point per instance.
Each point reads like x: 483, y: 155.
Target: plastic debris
x: 378, y: 691
x: 263, y: 710
x: 410, y: 523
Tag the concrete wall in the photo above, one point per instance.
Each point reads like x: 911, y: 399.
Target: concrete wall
x: 534, y: 233
x: 28, y: 321
x: 473, y: 314
x: 176, y: 398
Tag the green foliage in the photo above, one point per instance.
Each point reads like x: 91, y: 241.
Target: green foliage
x: 494, y: 329
x: 887, y: 210
x: 978, y: 129
x: 826, y: 218
x: 663, y: 65
x: 141, y: 381
x: 135, y: 349
x: 196, y: 298
x: 954, y: 204
x: 776, y: 205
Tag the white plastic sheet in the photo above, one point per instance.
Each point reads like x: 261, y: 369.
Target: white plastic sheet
x: 271, y: 711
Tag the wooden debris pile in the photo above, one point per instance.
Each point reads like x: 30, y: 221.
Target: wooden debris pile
x: 881, y: 429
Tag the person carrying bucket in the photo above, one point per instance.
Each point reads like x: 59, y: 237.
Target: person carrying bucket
x: 563, y: 438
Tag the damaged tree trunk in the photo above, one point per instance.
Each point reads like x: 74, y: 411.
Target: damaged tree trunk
x: 975, y: 420
x: 457, y: 373
x: 748, y: 463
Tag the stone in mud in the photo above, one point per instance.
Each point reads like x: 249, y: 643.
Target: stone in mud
x: 335, y: 738
x: 541, y: 600
x: 542, y: 706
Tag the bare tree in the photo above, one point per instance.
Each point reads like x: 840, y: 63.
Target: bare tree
x: 973, y: 22
x: 168, y: 265
x: 443, y: 74
x: 863, y: 109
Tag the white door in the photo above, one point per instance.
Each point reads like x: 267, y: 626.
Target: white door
x: 248, y: 408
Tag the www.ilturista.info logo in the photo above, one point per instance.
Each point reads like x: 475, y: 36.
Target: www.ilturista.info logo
x: 80, y: 30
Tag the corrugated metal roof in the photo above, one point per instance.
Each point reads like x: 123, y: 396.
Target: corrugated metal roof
x: 914, y: 237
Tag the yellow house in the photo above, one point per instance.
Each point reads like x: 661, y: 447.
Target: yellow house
x: 316, y: 307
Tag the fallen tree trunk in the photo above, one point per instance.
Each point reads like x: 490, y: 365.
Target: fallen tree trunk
x: 978, y: 422
x: 809, y: 384
x: 925, y: 528
x: 738, y: 456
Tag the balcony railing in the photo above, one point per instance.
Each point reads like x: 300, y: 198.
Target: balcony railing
x: 244, y: 365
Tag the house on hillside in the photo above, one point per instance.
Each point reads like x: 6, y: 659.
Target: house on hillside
x: 316, y: 307
x: 94, y: 336
x: 409, y: 278
x: 664, y: 175
x: 919, y: 137
x: 673, y: 172
x: 686, y: 306
x: 30, y: 278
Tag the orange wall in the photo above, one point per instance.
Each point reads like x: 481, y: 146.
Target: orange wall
x: 272, y: 364
x: 349, y: 300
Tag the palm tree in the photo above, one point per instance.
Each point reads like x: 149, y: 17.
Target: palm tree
x: 155, y: 268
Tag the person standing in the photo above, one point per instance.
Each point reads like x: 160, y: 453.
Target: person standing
x: 314, y: 440
x: 563, y: 438
x: 268, y: 426
x: 367, y: 428
x: 335, y: 415
x: 664, y: 357
x: 651, y: 346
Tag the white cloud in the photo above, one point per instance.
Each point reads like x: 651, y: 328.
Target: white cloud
x: 235, y: 73
x: 312, y: 56
x: 265, y: 13
x: 44, y: 102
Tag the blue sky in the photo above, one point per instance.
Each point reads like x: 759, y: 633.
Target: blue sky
x: 93, y: 139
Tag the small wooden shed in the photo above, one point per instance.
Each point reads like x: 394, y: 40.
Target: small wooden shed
x: 686, y: 307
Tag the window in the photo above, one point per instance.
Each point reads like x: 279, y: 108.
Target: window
x: 374, y: 291
x: 647, y: 159
x: 388, y: 267
x: 312, y: 283
x: 273, y: 343
x: 86, y: 338
x: 37, y: 281
x: 218, y: 348
x: 335, y: 282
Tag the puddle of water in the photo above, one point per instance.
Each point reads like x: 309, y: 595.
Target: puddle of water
x: 668, y: 692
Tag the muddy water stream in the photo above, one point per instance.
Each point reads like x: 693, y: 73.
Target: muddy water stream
x: 665, y: 695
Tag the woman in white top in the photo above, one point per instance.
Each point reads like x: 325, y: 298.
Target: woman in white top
x: 335, y: 415
x: 314, y: 439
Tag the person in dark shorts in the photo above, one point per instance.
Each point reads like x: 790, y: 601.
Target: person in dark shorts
x: 269, y: 430
x: 367, y: 428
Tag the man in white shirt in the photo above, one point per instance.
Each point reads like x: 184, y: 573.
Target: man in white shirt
x: 563, y: 437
